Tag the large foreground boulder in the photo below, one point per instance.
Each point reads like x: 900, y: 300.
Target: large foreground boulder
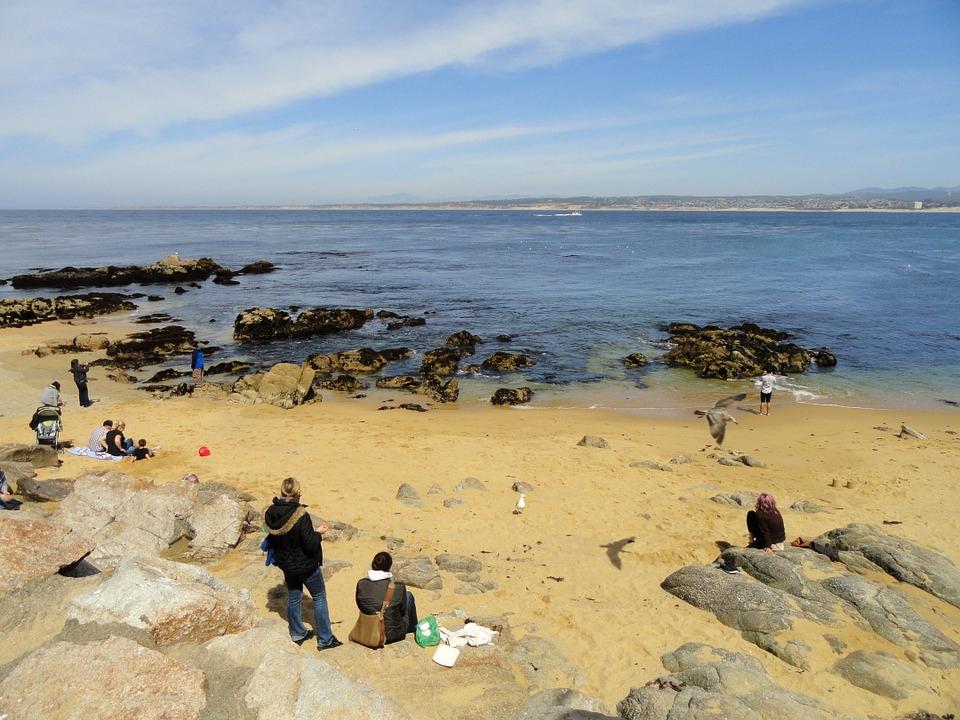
x: 30, y: 311
x: 708, y: 682
x: 287, y: 385
x: 169, y: 600
x: 290, y: 685
x: 112, y: 680
x: 904, y: 560
x: 38, y: 456
x: 35, y: 549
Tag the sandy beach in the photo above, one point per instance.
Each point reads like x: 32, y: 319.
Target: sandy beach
x: 552, y: 570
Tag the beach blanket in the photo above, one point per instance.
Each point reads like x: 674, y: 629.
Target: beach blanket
x: 87, y: 452
x: 470, y: 634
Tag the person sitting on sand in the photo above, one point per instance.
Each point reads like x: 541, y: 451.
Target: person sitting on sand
x: 98, y: 438
x: 400, y: 617
x: 6, y: 494
x: 142, y: 452
x: 117, y: 444
x: 51, y: 395
x: 765, y: 525
x: 298, y: 552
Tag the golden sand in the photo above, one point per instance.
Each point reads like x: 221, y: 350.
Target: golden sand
x: 550, y: 563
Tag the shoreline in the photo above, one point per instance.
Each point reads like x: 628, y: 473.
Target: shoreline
x: 351, y: 460
x: 453, y: 208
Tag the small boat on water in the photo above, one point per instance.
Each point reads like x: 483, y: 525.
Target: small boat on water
x: 575, y: 213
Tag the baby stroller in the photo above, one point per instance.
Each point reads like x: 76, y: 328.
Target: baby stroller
x: 46, y: 421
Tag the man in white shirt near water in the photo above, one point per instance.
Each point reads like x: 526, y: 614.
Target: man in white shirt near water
x: 766, y: 390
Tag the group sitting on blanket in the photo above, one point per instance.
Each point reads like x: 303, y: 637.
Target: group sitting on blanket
x: 109, y: 438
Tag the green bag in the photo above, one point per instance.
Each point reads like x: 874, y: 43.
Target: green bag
x: 427, y: 634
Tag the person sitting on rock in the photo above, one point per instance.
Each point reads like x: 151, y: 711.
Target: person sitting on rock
x: 117, y: 444
x: 400, y: 617
x: 765, y: 525
x: 298, y: 552
x: 142, y: 452
x: 98, y: 438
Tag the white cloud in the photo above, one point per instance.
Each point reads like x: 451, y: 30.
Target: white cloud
x: 77, y: 71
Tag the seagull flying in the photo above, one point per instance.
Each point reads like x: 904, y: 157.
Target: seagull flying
x: 717, y: 416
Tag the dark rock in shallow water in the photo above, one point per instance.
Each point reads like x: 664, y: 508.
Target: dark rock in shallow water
x: 388, y: 315
x: 168, y: 374
x: 504, y: 338
x: 169, y: 270
x: 436, y: 389
x: 635, y: 360
x: 405, y: 322
x: 225, y: 277
x: 740, y: 352
x: 229, y: 367
x: 259, y: 267
x: 441, y: 361
x: 824, y: 358
x: 151, y: 346
x: 30, y: 311
x: 266, y: 324
x: 511, y: 396
x: 342, y: 383
x: 179, y: 290
x: 364, y: 360
x: 154, y: 298
x: 463, y: 339
x: 155, y: 318
x: 507, y: 362
x: 399, y: 382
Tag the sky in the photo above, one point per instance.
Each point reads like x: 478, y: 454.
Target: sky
x: 120, y: 103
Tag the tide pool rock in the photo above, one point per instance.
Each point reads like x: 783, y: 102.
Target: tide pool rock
x: 112, y: 680
x: 507, y: 362
x: 512, y: 396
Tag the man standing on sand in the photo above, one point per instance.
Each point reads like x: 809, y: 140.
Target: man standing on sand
x: 766, y: 390
x: 196, y: 364
x: 80, y: 378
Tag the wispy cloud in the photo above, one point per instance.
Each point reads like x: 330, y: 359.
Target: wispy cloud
x: 76, y: 71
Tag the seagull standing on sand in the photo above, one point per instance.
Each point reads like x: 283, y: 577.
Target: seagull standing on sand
x: 718, y: 417
x: 521, y: 504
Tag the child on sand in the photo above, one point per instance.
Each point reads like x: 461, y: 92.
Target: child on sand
x: 142, y: 452
x: 766, y: 390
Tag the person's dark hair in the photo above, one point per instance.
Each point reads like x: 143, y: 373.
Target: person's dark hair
x: 74, y: 362
x: 56, y: 384
x: 142, y: 442
x: 382, y: 561
x: 108, y: 423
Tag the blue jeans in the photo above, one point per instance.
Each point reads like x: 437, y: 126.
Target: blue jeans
x: 321, y: 616
x: 411, y: 613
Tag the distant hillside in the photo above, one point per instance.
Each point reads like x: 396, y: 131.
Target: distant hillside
x: 911, y: 194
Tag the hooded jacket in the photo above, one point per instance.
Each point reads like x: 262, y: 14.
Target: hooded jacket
x: 296, y: 545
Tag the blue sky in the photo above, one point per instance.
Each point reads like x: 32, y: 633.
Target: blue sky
x: 128, y: 103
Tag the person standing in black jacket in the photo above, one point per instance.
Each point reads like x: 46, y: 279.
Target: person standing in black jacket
x: 298, y: 552
x: 400, y: 616
x: 79, y: 372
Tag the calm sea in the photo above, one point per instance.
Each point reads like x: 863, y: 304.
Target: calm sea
x: 578, y: 293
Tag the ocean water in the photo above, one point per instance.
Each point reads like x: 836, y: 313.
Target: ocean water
x: 881, y: 290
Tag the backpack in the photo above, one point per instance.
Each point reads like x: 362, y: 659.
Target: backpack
x: 427, y: 634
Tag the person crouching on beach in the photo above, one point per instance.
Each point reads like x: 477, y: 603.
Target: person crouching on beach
x: 766, y: 390
x: 400, y: 617
x: 298, y: 552
x: 765, y: 525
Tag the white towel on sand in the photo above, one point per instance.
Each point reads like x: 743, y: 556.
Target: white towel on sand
x: 470, y: 634
x: 87, y: 452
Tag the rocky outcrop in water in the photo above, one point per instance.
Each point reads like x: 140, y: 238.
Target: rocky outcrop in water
x: 399, y: 382
x: 442, y: 362
x: 738, y: 352
x: 635, y: 360
x: 341, y: 383
x: 151, y: 346
x: 170, y: 270
x: 267, y: 324
x: 507, y: 362
x: 405, y: 321
x: 364, y: 360
x: 463, y: 339
x: 443, y: 391
x: 30, y: 311
x: 285, y: 385
x: 512, y: 396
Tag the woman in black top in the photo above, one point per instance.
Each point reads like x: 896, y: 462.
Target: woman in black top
x: 765, y: 525
x: 400, y: 617
x: 298, y: 552
x: 117, y: 444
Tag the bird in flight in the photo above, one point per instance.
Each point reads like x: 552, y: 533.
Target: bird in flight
x: 718, y: 417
